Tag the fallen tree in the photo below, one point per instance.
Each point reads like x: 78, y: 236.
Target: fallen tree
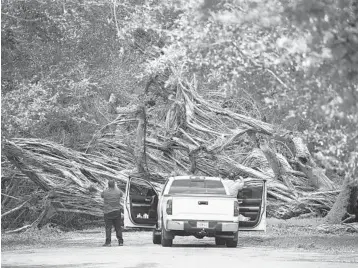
x: 68, y: 181
x: 71, y: 181
x: 183, y: 134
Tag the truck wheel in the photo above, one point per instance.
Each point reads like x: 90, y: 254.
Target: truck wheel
x: 166, y: 242
x: 232, y: 243
x: 219, y: 241
x: 157, y: 237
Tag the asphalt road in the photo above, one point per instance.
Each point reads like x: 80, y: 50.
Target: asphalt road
x: 139, y: 252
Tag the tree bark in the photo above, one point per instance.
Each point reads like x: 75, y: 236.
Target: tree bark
x: 193, y: 155
x: 340, y: 207
x: 15, y: 209
x: 30, y: 174
x: 347, y: 200
x: 277, y: 167
x: 140, y: 150
x: 273, y: 161
x: 112, y: 104
x: 306, y: 164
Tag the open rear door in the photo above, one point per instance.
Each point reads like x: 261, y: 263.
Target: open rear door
x: 253, y: 207
x: 140, y: 204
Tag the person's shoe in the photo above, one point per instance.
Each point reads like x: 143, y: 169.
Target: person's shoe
x: 106, y: 245
x: 120, y: 243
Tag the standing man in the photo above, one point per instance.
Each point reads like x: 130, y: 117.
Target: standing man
x: 112, y: 212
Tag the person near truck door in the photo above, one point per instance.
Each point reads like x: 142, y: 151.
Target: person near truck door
x: 112, y: 212
x: 234, y: 184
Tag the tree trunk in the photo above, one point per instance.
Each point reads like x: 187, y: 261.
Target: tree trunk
x: 193, y: 155
x: 273, y: 161
x: 347, y: 200
x: 140, y: 151
x: 112, y: 104
x: 344, y: 199
x: 306, y: 164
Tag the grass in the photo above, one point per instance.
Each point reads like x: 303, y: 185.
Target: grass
x: 293, y: 226
x: 46, y: 236
x: 302, y: 234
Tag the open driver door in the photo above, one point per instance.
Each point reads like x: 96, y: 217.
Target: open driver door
x: 140, y: 204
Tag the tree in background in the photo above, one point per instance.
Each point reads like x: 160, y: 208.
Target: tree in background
x: 333, y: 26
x: 56, y: 59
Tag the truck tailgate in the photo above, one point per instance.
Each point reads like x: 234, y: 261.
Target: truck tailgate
x: 203, y: 207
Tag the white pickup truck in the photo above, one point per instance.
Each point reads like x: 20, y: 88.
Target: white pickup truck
x: 194, y: 205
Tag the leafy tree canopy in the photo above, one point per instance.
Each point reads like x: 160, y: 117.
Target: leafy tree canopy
x: 292, y: 63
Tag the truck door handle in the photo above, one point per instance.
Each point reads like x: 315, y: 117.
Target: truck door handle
x: 203, y: 202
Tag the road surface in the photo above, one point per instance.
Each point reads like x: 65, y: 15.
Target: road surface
x: 139, y: 252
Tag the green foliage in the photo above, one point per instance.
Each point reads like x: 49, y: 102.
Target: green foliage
x: 332, y: 28
x: 54, y: 57
x: 292, y: 63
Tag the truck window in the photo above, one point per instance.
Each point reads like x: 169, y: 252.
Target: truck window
x: 197, y: 187
x: 140, y: 188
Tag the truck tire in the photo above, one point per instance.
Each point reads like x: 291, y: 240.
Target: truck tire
x: 219, y: 241
x: 157, y: 237
x: 166, y: 242
x: 232, y: 243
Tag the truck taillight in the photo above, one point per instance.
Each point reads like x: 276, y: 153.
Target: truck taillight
x: 169, y: 209
x: 236, y: 208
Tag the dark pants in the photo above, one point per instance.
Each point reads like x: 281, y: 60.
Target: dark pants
x: 113, y: 219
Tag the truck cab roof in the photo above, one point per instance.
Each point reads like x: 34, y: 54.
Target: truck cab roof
x: 193, y: 177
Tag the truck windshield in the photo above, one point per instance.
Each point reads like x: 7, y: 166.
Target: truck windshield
x: 197, y: 187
